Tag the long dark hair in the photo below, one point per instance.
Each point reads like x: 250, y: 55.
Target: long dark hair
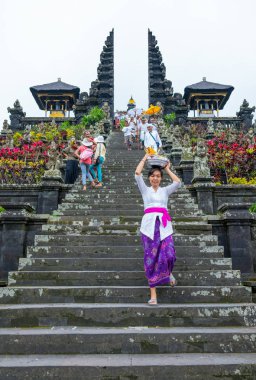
x: 154, y: 169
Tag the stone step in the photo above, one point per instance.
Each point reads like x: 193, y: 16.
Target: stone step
x: 144, y: 367
x: 124, y: 315
x: 96, y: 211
x: 130, y: 251
x: 89, y: 195
x: 110, y: 263
x: 124, y: 294
x: 120, y: 278
x: 126, y: 189
x: 81, y: 220
x: 112, y: 240
x: 123, y: 229
x: 104, y: 199
x: 132, y: 340
x: 99, y: 206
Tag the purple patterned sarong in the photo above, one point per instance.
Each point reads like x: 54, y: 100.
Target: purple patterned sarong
x: 159, y: 257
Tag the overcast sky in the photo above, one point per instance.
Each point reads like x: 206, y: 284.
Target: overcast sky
x: 41, y: 41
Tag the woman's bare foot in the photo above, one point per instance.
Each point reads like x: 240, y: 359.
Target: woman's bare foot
x: 173, y: 281
x: 84, y: 188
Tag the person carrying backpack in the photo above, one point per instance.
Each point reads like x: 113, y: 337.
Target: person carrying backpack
x: 84, y: 153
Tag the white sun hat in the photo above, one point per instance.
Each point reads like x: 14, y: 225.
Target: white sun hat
x: 85, y: 142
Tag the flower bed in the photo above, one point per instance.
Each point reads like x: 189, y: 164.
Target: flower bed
x: 237, y: 159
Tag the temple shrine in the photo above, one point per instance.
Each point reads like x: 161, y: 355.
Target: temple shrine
x: 131, y: 104
x: 57, y: 98
x: 206, y: 99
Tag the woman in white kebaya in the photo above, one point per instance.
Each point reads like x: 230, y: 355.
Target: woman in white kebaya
x: 156, y: 227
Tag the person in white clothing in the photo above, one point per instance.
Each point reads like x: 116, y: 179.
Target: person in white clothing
x: 127, y: 131
x: 156, y: 227
x: 142, y: 131
x: 152, y: 138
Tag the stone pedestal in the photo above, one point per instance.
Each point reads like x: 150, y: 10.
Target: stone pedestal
x: 238, y: 222
x: 14, y: 235
x: 204, y: 192
x: 187, y: 170
x: 49, y: 196
x: 176, y: 155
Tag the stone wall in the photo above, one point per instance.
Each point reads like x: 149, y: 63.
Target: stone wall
x: 44, y: 197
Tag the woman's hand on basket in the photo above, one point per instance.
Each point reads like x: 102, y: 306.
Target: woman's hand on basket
x: 167, y: 166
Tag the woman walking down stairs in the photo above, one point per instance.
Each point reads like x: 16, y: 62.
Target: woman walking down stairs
x: 76, y: 308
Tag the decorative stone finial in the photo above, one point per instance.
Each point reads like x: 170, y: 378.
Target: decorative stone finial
x: 59, y: 79
x: 204, y: 79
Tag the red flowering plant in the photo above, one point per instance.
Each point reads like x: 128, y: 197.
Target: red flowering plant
x: 26, y: 162
x: 236, y: 158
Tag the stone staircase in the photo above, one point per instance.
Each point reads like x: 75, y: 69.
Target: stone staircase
x: 76, y: 308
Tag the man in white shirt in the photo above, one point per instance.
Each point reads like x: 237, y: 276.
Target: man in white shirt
x: 152, y: 138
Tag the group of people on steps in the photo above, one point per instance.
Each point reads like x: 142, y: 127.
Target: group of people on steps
x: 156, y: 226
x: 90, y: 153
x: 142, y: 131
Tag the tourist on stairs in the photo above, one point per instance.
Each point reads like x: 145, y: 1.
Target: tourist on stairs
x: 71, y: 172
x: 84, y: 153
x: 156, y: 227
x: 99, y: 158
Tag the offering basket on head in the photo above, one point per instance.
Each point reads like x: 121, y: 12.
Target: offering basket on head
x: 155, y: 159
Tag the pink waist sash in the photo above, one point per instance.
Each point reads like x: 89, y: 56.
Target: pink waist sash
x: 161, y: 210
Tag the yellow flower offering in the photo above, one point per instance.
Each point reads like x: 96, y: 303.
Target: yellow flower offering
x: 150, y: 151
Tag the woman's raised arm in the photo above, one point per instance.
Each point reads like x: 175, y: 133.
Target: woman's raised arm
x: 170, y: 173
x: 141, y: 165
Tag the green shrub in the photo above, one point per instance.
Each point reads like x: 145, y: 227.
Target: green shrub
x: 253, y: 208
x: 241, y: 181
x: 170, y: 118
x: 2, y: 209
x: 95, y: 115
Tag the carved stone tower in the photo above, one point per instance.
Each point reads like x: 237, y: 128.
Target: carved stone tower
x: 159, y: 88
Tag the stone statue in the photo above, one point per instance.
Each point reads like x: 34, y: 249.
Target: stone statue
x: 250, y: 137
x: 220, y: 128
x: 187, y: 154
x: 5, y: 127
x: 10, y: 140
x: 54, y: 162
x: 161, y: 112
x: 246, y: 114
x: 27, y: 136
x: 106, y: 109
x: 176, y: 137
x: 101, y: 127
x: 210, y: 126
x: 201, y: 168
